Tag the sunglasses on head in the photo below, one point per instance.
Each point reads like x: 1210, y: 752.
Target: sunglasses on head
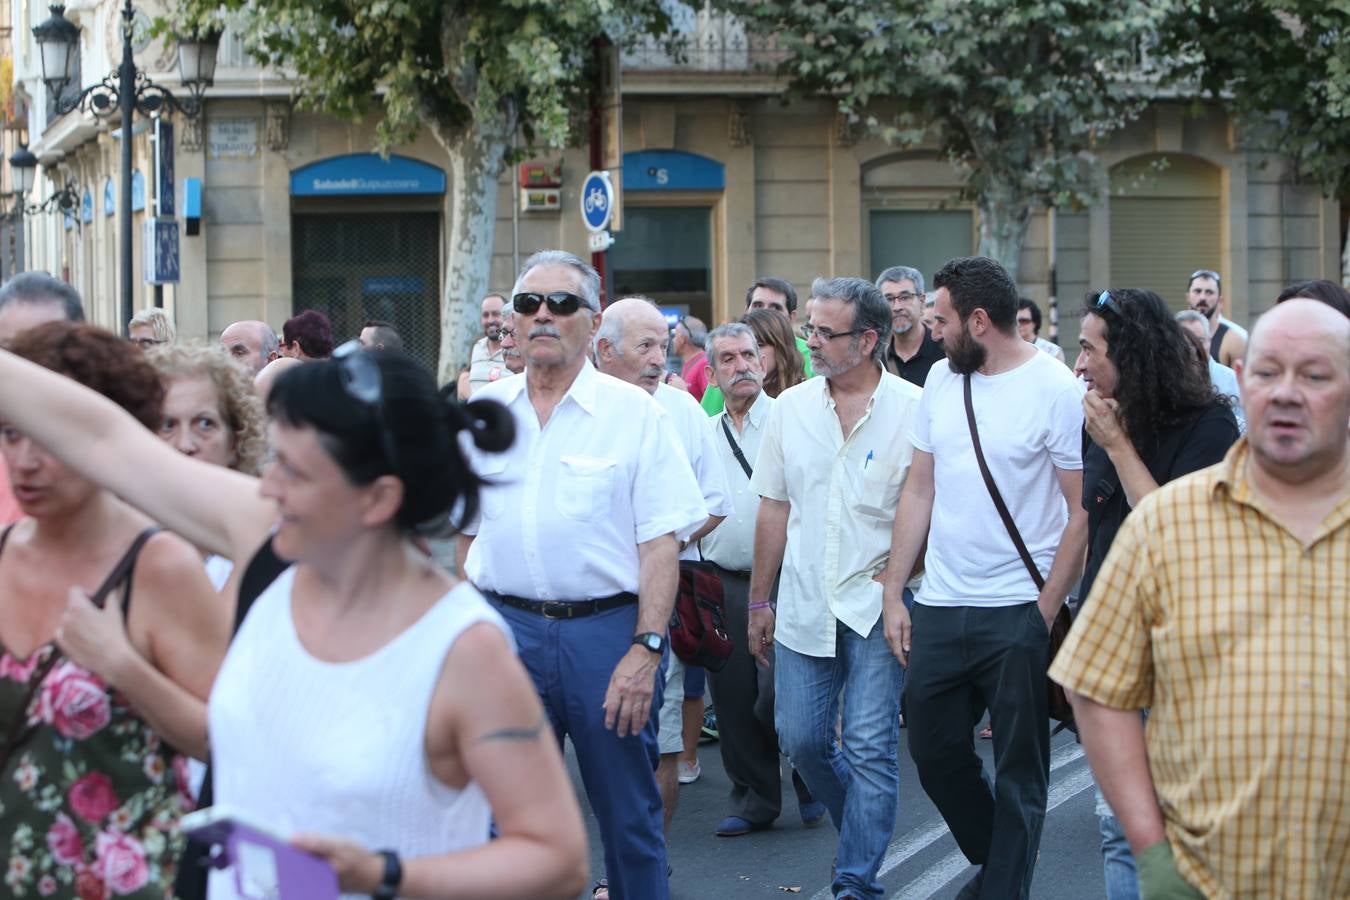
x: 560, y: 303
x: 1106, y: 301
x: 361, y: 379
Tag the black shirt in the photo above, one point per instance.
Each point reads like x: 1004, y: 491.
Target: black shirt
x: 1176, y: 452
x: 916, y: 370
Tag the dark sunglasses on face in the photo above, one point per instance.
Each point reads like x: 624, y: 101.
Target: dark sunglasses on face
x: 560, y: 303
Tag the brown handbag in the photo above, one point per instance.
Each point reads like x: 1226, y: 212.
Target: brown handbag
x: 1060, y: 708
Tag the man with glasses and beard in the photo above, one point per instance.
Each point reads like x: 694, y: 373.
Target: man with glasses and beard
x: 981, y: 621
x: 829, y: 472
x: 1227, y: 339
x: 911, y: 350
x: 577, y: 545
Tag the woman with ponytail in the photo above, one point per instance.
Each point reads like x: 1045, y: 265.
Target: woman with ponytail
x: 371, y: 707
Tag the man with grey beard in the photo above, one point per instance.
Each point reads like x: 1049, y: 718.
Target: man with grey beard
x: 911, y: 350
x: 829, y: 473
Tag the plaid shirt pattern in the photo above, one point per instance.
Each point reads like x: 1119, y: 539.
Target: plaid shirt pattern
x: 1212, y: 613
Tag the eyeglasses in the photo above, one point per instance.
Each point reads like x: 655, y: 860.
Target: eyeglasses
x: 146, y: 343
x: 902, y: 297
x: 560, y: 303
x: 826, y: 334
x: 1026, y: 321
x: 507, y: 332
x: 361, y: 379
x: 1106, y: 301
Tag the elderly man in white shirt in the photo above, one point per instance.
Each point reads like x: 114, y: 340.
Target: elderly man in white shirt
x: 747, y: 739
x: 577, y: 546
x: 829, y: 473
x: 631, y: 346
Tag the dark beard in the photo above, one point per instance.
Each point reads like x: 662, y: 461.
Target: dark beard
x: 965, y: 356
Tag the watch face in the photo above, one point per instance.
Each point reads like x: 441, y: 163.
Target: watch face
x: 652, y: 642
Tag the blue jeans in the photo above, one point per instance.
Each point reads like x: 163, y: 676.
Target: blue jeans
x: 1122, y: 881
x: 571, y: 661
x: 860, y: 782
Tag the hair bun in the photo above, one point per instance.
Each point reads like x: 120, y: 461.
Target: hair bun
x: 490, y: 423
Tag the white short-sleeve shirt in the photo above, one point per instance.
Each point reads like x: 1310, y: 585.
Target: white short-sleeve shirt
x: 1031, y: 423
x: 691, y: 425
x: 843, y: 494
x: 567, y: 504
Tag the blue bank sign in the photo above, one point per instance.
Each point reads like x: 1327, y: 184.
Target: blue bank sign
x: 363, y: 174
x: 671, y: 170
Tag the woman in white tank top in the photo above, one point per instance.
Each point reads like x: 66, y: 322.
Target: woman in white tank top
x: 369, y: 702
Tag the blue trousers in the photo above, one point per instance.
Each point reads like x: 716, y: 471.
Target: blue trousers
x: 571, y: 662
x: 860, y: 782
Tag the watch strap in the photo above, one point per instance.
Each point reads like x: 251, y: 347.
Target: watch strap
x: 393, y: 877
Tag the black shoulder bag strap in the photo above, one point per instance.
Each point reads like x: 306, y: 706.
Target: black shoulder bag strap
x: 735, y: 447
x: 121, y: 572
x: 1002, y: 507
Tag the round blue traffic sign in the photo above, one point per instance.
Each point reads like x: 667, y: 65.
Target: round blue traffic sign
x: 597, y: 200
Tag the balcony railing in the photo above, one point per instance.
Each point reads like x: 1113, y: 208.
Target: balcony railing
x: 709, y: 41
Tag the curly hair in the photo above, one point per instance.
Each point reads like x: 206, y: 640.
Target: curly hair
x: 240, y: 406
x: 1161, y: 382
x: 100, y: 361
x: 771, y: 327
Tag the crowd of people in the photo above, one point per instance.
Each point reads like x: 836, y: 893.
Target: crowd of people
x: 219, y: 554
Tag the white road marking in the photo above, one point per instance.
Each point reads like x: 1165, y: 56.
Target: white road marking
x: 919, y: 839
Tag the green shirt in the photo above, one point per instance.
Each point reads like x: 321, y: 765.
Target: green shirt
x: 713, y: 402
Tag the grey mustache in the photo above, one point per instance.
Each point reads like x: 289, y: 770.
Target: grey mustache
x: 545, y: 331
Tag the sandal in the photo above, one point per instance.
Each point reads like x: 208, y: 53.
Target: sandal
x: 601, y: 889
x: 987, y: 734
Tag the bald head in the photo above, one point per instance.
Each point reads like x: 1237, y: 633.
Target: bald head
x: 253, y: 344
x: 1295, y: 382
x: 631, y: 343
x: 264, y: 380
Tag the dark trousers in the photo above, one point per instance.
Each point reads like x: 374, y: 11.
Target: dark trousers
x: 571, y: 662
x: 743, y: 695
x: 963, y: 660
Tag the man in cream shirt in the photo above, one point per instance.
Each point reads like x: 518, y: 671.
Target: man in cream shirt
x: 829, y: 473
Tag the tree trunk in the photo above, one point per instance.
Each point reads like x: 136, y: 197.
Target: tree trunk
x: 1003, y: 226
x: 476, y: 156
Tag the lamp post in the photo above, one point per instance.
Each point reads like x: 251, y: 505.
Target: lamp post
x: 127, y: 91
x: 24, y: 166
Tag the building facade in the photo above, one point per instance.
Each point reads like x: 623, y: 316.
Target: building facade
x: 721, y: 182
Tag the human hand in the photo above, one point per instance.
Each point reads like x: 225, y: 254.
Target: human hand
x: 1101, y: 417
x: 94, y: 638
x: 759, y: 637
x: 628, y: 699
x: 358, y: 870
x: 898, y: 628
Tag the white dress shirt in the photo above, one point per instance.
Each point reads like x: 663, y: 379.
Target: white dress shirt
x: 843, y: 494
x: 691, y: 424
x: 731, y: 545
x: 568, y: 503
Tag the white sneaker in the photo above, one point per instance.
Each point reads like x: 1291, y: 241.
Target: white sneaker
x: 687, y: 773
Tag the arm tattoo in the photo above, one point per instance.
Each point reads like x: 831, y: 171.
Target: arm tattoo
x: 514, y: 734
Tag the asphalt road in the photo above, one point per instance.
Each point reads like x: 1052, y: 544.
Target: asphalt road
x: 922, y: 861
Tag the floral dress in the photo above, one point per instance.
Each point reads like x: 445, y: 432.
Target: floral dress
x: 90, y: 799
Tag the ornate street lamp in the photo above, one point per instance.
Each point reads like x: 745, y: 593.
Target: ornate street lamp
x: 128, y: 91
x: 23, y: 164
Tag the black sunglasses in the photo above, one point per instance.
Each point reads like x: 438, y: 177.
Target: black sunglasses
x: 560, y: 303
x: 1106, y: 301
x: 361, y: 379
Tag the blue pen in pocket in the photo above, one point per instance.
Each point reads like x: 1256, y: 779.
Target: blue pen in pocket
x: 867, y: 460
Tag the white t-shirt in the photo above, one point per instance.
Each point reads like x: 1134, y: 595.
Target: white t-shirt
x: 1030, y: 421
x: 691, y: 424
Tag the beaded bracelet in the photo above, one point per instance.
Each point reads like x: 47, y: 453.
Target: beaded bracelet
x: 763, y: 604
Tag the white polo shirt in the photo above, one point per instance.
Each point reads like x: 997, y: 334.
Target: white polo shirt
x: 568, y: 503
x: 691, y: 424
x: 731, y: 545
x: 843, y: 494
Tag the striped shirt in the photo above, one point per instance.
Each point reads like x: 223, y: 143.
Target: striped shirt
x: 1209, y: 610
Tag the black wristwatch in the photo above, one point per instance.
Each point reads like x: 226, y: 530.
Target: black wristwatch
x: 393, y: 876
x: 650, y: 640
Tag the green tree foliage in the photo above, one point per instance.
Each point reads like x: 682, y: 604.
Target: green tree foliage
x: 476, y: 73
x: 1016, y: 93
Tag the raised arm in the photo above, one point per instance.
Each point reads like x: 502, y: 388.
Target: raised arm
x: 213, y: 507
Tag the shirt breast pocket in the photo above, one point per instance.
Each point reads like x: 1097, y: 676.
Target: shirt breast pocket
x: 492, y: 495
x: 585, y: 487
x: 879, y: 490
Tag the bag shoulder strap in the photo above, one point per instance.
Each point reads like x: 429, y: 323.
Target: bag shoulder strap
x: 121, y: 572
x: 1002, y: 507
x: 735, y: 447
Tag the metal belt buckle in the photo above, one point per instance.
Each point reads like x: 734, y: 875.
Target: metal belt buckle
x: 552, y: 609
